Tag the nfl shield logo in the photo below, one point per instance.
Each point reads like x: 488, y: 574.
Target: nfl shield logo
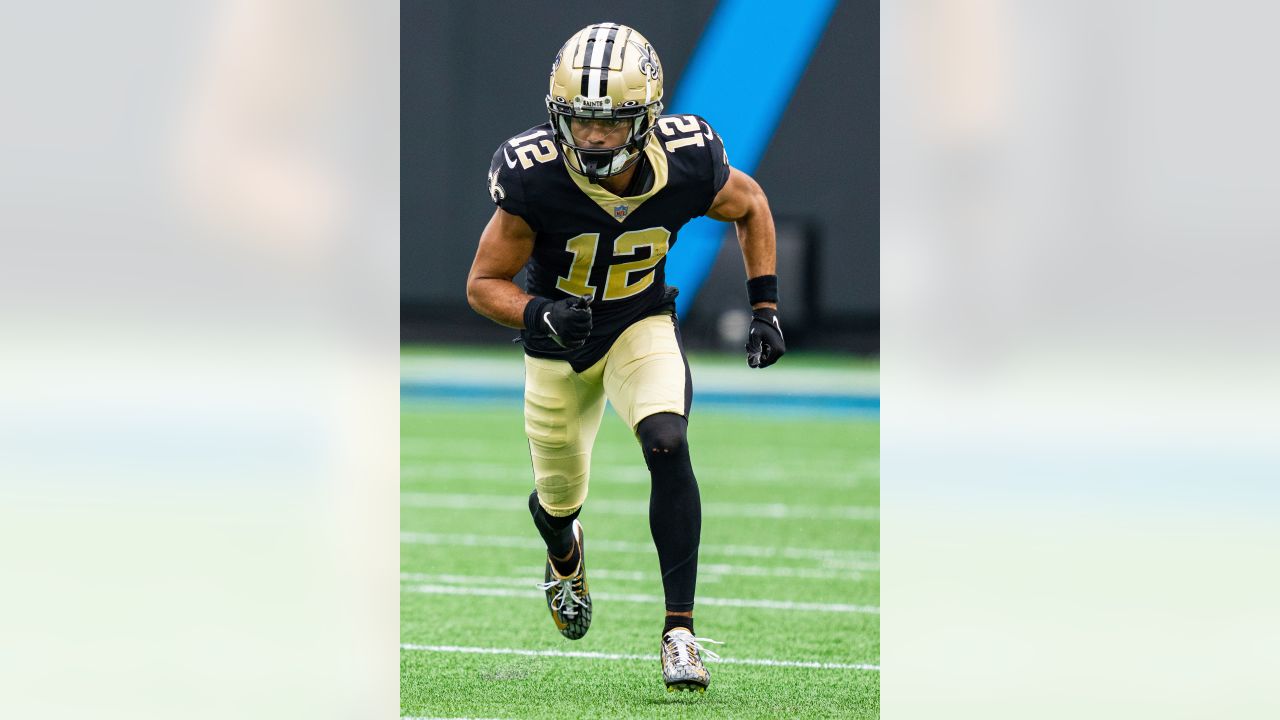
x: 620, y: 211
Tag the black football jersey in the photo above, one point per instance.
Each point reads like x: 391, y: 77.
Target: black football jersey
x: 592, y: 242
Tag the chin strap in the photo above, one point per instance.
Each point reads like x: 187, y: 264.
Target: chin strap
x: 614, y: 167
x: 620, y: 161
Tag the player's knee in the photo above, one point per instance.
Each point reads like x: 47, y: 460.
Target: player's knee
x: 663, y: 435
x: 556, y: 517
x: 561, y: 494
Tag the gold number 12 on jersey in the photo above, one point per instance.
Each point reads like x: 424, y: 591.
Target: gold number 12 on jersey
x: 529, y: 154
x: 617, y: 285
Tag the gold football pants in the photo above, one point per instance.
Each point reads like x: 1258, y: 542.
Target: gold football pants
x: 643, y: 373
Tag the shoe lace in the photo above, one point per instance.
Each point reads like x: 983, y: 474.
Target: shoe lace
x: 681, y: 643
x: 566, y: 597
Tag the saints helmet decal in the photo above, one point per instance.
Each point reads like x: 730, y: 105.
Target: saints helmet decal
x: 607, y: 74
x: 555, y: 65
x: 648, y: 61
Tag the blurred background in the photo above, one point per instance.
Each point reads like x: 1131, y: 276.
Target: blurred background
x: 199, y: 449
x: 474, y: 74
x: 793, y: 90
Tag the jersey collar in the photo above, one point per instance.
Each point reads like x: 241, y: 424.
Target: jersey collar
x: 620, y: 208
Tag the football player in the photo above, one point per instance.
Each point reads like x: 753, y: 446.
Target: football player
x: 589, y: 204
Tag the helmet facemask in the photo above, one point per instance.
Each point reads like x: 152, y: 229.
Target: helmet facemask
x: 597, y: 163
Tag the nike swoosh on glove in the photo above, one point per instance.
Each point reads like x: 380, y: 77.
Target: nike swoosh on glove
x: 764, y: 340
x: 567, y: 322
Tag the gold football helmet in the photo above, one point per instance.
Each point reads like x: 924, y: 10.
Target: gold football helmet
x: 606, y: 77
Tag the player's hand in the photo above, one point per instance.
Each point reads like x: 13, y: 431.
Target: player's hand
x: 764, y: 340
x: 567, y: 322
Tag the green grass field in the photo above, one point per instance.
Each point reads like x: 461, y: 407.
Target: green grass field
x: 789, y: 571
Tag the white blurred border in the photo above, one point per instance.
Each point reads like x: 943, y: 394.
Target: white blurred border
x: 1079, y: 442
x: 199, y: 312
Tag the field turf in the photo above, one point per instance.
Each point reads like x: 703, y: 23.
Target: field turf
x: 789, y: 571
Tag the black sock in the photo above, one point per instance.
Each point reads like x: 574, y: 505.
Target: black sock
x: 567, y: 563
x: 556, y: 532
x: 675, y: 621
x: 675, y: 509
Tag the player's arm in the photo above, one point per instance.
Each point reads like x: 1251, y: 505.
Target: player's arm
x: 743, y: 203
x: 505, y: 247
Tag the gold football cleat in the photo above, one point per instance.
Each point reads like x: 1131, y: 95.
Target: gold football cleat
x: 682, y: 667
x: 568, y: 597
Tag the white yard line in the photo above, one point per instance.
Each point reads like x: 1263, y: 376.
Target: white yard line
x: 707, y: 572
x: 651, y: 599
x: 636, y: 474
x: 525, y: 581
x: 617, y: 451
x: 785, y: 572
x: 770, y: 511
x: 846, y: 559
x: 623, y: 474
x: 528, y: 579
x: 628, y: 575
x: 624, y: 656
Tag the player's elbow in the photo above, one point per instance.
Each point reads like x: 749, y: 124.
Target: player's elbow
x: 741, y: 200
x: 755, y: 202
x: 760, y: 202
x: 475, y: 293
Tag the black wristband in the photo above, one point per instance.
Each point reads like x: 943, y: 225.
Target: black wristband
x: 762, y: 289
x: 533, y: 312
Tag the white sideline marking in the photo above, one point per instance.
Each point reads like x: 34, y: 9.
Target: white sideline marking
x: 773, y: 511
x: 526, y: 579
x: 713, y: 569
x: 624, y: 474
x: 625, y: 656
x: 632, y: 575
x: 846, y: 559
x: 636, y: 598
x: 636, y: 474
x: 707, y: 572
x: 523, y: 582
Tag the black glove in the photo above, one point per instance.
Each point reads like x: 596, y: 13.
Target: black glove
x: 764, y: 340
x: 567, y: 321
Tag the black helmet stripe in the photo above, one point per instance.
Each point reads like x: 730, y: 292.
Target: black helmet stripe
x: 586, y: 62
x: 595, y: 60
x: 603, y: 88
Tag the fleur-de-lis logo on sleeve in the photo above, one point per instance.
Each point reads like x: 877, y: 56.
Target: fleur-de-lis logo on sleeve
x: 495, y: 190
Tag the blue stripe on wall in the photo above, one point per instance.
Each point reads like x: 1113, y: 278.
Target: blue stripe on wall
x: 740, y: 78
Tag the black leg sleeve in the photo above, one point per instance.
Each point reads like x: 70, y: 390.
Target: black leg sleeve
x: 675, y: 509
